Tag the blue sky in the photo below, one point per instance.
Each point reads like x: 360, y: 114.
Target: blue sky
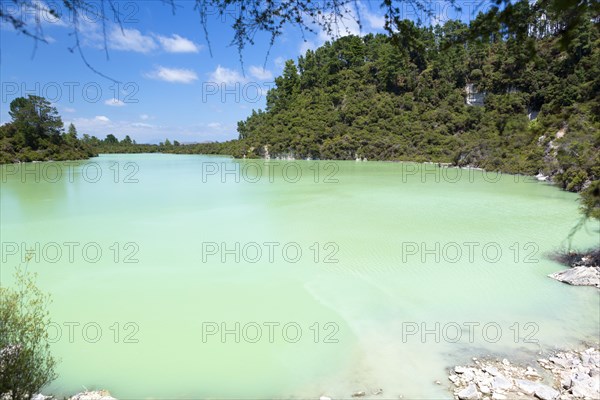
x: 170, y: 86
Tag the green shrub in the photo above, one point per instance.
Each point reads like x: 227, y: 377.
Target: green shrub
x: 26, y: 364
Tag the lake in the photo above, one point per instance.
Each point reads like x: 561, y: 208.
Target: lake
x: 195, y: 276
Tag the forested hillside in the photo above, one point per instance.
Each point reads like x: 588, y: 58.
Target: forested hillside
x: 536, y: 106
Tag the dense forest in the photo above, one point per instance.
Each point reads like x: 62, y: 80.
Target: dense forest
x: 475, y: 95
x: 37, y: 133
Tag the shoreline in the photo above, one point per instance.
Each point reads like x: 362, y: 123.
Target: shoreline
x: 538, y: 177
x: 560, y: 374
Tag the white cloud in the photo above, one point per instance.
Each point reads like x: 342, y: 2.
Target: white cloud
x: 114, y: 103
x: 173, y: 75
x: 141, y: 125
x: 308, y: 45
x: 69, y: 110
x: 91, y: 126
x: 90, y: 32
x: 127, y: 39
x: 279, y: 62
x: 214, y: 125
x: 177, y: 44
x: 130, y: 40
x: 260, y: 73
x: 375, y: 21
x: 226, y: 76
x: 345, y: 25
x: 144, y: 117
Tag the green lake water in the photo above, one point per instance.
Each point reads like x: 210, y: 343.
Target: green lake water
x: 240, y: 279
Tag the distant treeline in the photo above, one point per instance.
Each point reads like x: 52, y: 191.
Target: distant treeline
x: 111, y: 145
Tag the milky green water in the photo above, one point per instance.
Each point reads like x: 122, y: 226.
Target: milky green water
x: 391, y: 273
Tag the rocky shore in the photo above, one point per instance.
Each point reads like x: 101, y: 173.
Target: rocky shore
x: 562, y: 375
x: 584, y: 271
x: 87, y: 395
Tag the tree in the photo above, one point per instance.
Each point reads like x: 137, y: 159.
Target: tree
x: 72, y: 133
x: 36, y: 121
x: 590, y: 201
x: 36, y: 134
x: 111, y: 139
x: 26, y: 364
x: 287, y: 86
x: 127, y: 140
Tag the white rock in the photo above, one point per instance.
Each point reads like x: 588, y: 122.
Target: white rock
x: 505, y: 362
x: 526, y: 386
x: 565, y: 379
x: 582, y: 370
x: 95, y: 395
x: 498, y: 396
x: 486, y: 381
x: 468, y: 375
x: 585, y: 392
x: 560, y: 361
x: 579, y: 276
x: 500, y: 382
x: 491, y: 370
x: 580, y: 377
x: 589, y: 388
x: 544, y: 392
x: 324, y: 398
x: 469, y: 393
